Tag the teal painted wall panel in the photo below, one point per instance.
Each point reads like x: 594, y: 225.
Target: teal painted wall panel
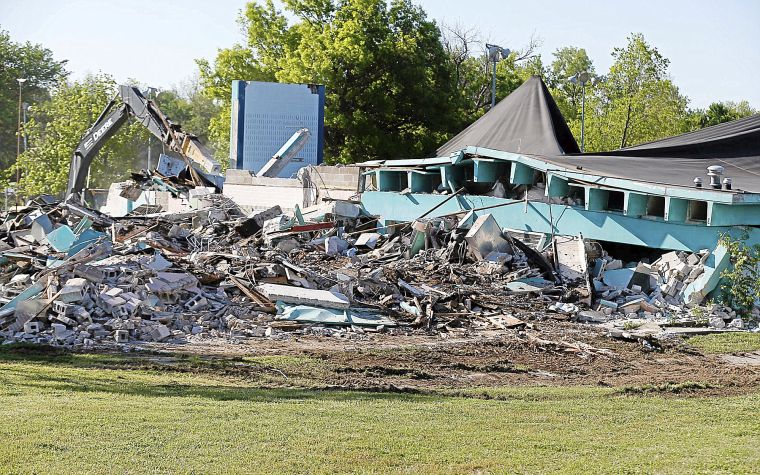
x: 723, y: 215
x: 521, y: 174
x: 635, y: 204
x: 676, y: 209
x: 535, y: 216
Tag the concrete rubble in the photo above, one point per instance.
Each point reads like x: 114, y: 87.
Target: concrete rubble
x: 72, y: 276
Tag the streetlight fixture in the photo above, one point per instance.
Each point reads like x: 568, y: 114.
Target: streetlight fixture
x: 582, y: 78
x: 495, y: 54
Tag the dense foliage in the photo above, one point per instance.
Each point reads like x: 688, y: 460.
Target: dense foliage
x: 55, y: 128
x: 398, y: 85
x: 22, y: 61
x: 740, y: 283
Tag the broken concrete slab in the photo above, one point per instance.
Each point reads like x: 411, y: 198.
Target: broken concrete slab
x: 307, y: 314
x: 300, y: 296
x: 368, y: 240
x: 485, y: 236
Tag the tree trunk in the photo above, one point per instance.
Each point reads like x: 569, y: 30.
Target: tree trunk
x: 627, y: 123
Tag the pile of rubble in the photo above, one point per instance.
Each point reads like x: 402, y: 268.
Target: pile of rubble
x: 72, y: 276
x: 666, y: 293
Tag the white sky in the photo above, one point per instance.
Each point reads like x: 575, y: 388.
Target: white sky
x: 714, y: 47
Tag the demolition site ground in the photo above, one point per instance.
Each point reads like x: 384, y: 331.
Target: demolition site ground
x: 215, y: 341
x: 482, y: 403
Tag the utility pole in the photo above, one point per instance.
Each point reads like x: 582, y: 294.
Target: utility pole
x: 18, y: 138
x: 495, y: 54
x: 27, y: 108
x: 582, y: 78
x: 493, y: 86
x: 583, y: 117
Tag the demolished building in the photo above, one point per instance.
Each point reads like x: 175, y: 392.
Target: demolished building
x: 452, y: 244
x: 520, y: 162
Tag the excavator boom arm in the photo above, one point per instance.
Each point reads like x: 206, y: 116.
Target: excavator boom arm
x: 131, y: 103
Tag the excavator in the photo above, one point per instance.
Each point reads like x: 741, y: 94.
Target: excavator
x: 130, y: 103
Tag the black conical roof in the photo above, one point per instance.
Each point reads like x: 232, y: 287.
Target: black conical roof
x: 527, y: 121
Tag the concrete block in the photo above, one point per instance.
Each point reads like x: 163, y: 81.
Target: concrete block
x: 160, y: 332
x: 73, y: 291
x: 335, y: 245
x: 485, y: 237
x: 196, y: 303
x: 367, y: 240
x: 121, y: 336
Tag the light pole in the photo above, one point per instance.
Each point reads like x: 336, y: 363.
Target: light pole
x: 151, y: 95
x: 495, y: 54
x: 26, y: 108
x: 582, y: 78
x: 18, y: 138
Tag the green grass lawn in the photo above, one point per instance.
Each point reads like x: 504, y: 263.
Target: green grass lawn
x: 76, y: 416
x: 733, y: 342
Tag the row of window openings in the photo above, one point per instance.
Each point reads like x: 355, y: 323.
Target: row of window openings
x: 576, y: 196
x: 655, y: 206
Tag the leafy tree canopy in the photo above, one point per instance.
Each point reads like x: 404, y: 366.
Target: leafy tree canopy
x: 389, y: 82
x: 720, y: 112
x: 55, y: 129
x: 33, y: 63
x: 635, y: 102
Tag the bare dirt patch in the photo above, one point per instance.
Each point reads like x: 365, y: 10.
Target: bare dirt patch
x: 421, y: 363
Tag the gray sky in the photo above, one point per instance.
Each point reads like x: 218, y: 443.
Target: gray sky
x: 714, y: 47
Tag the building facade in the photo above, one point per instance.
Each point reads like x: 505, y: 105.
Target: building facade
x: 265, y: 115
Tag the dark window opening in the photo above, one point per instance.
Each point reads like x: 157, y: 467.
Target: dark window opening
x: 576, y: 196
x: 656, y: 206
x: 697, y: 210
x: 616, y: 201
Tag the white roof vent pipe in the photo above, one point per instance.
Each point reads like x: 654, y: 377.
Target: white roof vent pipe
x: 727, y: 183
x: 698, y: 182
x: 715, y: 172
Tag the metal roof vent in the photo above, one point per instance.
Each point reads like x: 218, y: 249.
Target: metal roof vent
x: 698, y: 182
x: 715, y: 172
x: 727, y: 183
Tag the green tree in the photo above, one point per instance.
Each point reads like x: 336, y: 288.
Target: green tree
x: 637, y: 102
x: 471, y: 73
x: 740, y: 283
x: 388, y: 81
x: 720, y: 112
x: 57, y: 126
x: 187, y: 106
x: 37, y: 66
x: 568, y: 62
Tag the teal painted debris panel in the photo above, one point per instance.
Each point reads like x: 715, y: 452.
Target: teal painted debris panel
x: 85, y: 239
x: 62, y: 238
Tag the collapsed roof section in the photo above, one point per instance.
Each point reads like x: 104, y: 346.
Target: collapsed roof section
x: 678, y: 160
x: 527, y: 121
